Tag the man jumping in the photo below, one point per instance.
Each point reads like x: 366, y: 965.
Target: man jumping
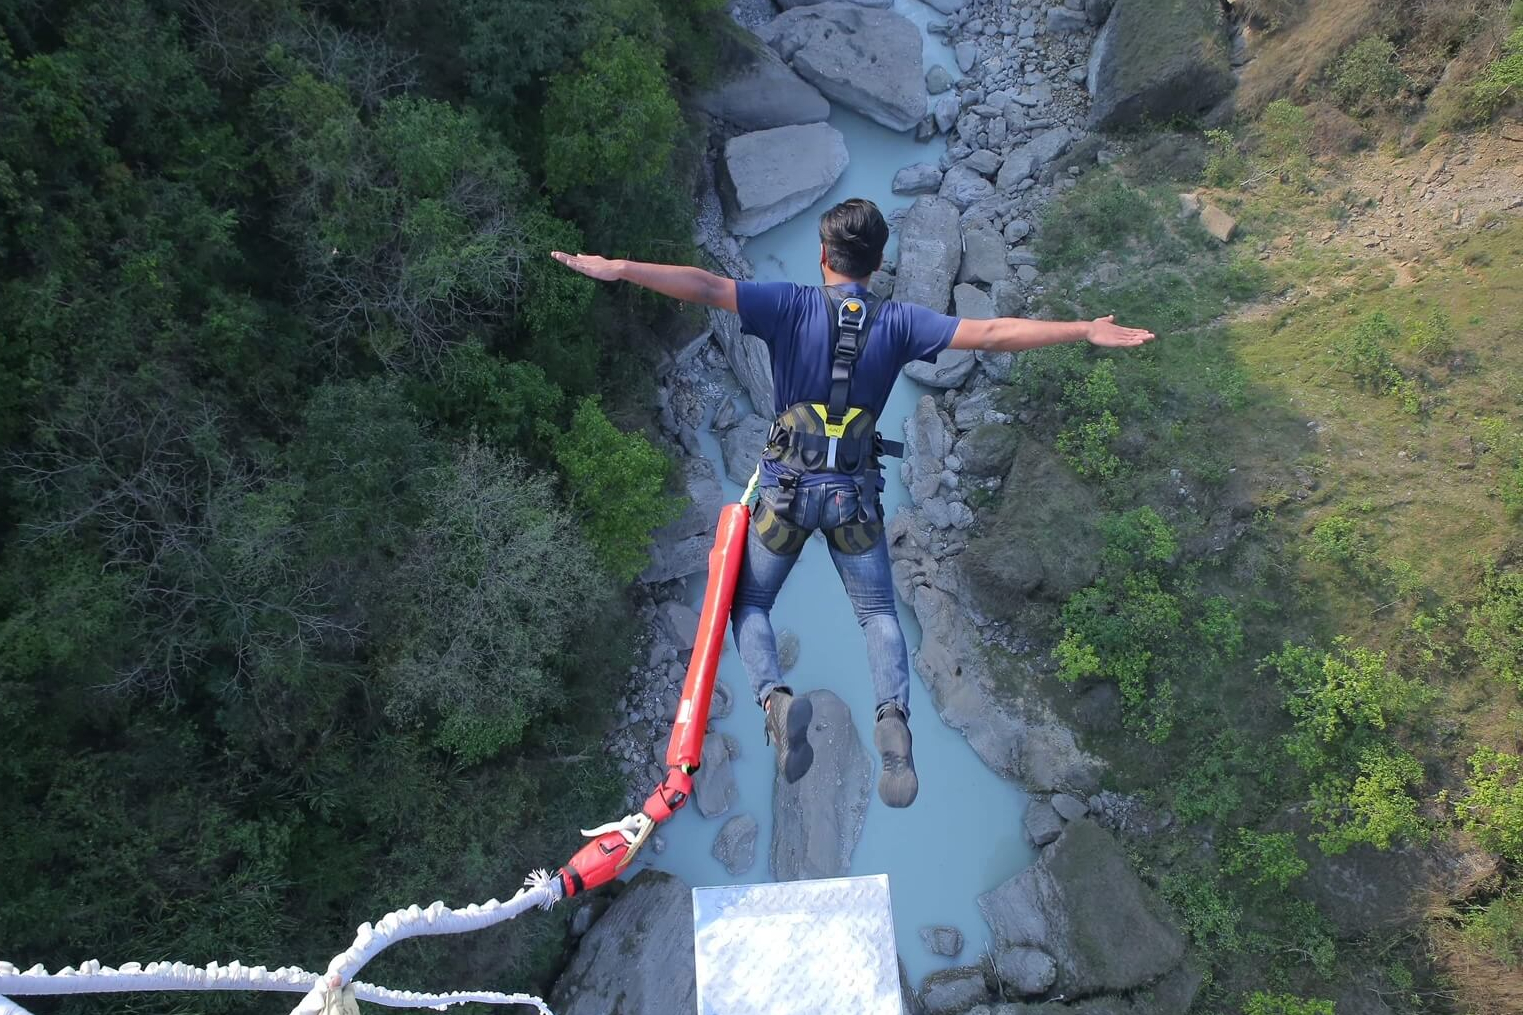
x: 836, y: 352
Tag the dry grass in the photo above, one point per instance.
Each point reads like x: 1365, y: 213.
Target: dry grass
x: 1290, y: 60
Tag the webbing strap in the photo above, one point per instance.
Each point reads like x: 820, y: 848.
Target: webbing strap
x: 851, y: 321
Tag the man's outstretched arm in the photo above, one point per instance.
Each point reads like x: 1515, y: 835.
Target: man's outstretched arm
x: 691, y: 285
x: 1014, y: 334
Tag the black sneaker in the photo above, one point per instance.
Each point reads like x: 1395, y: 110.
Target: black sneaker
x: 897, y: 783
x: 788, y: 731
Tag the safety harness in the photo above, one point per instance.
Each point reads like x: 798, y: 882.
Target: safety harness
x: 809, y: 438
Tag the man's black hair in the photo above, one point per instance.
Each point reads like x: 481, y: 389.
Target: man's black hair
x: 854, y: 234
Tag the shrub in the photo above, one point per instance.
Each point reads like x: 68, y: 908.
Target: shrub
x: 1210, y: 914
x: 1101, y: 213
x: 1225, y: 165
x: 1492, y: 808
x: 1264, y: 858
x: 1497, y: 929
x: 1263, y: 1003
x: 617, y: 484
x: 1285, y: 132
x: 1139, y: 535
x: 1432, y: 338
x: 1496, y: 625
x: 1337, y: 698
x: 1501, y: 84
x: 1376, y: 807
x: 1366, y: 78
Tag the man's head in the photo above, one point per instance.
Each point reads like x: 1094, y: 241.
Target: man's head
x: 852, y: 237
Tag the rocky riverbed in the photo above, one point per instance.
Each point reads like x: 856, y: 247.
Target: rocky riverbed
x: 1033, y: 78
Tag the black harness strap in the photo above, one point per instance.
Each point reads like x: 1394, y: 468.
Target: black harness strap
x: 852, y: 318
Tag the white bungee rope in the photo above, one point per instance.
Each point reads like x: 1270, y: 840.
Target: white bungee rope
x: 320, y: 990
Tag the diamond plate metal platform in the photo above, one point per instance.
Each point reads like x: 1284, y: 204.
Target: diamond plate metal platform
x: 797, y: 948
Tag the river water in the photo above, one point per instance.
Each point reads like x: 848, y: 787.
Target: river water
x: 963, y: 834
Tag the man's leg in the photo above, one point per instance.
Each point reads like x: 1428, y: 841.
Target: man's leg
x: 762, y: 574
x: 869, y: 582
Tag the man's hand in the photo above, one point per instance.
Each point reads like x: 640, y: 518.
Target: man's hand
x: 591, y: 265
x: 1105, y: 333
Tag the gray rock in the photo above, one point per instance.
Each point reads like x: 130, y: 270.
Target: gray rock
x: 1189, y: 205
x: 948, y: 6
x: 942, y: 940
x: 1218, y: 223
x: 951, y: 991
x: 680, y: 547
x: 983, y: 162
x: 1069, y: 808
x: 983, y: 258
x: 974, y: 410
x: 817, y: 821
x: 1009, y: 299
x: 927, y: 442
x: 950, y: 370
x: 714, y: 788
x: 1082, y: 904
x: 722, y: 700
x: 930, y: 250
x: 638, y: 957
x: 1016, y: 230
x: 679, y: 623
x: 966, y: 54
x: 741, y: 447
x: 1098, y: 10
x: 735, y: 845
x: 790, y: 4
x: 972, y: 303
x: 677, y: 559
x: 1152, y: 62
x: 760, y: 91
x: 1026, y: 971
x: 937, y: 80
x: 938, y: 512
x: 1042, y: 822
x: 725, y: 416
x: 869, y: 60
x: 945, y: 112
x: 921, y: 178
x: 1062, y: 21
x: 769, y: 176
x: 962, y: 186
x: 581, y: 920
x: 747, y: 356
x: 961, y: 515
x: 988, y: 450
x: 788, y: 648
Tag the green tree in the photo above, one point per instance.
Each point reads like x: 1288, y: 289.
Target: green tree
x: 1492, y: 807
x: 611, y: 129
x: 1495, y: 631
x: 1264, y: 858
x: 494, y: 585
x: 617, y: 485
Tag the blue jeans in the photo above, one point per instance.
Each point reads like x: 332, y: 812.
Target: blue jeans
x: 869, y: 584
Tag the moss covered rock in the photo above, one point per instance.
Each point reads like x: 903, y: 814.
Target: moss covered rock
x: 1156, y: 59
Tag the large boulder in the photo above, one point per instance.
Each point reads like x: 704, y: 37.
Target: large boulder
x: 735, y: 845
x: 921, y: 178
x: 950, y: 368
x: 972, y: 304
x: 1083, y: 905
x: 769, y: 176
x: 681, y: 547
x: 951, y: 991
x: 869, y: 60
x: 963, y: 186
x: 1025, y: 971
x: 759, y: 90
x: 927, y: 440
x: 1032, y: 157
x: 930, y: 251
x: 748, y: 357
x: 817, y: 821
x: 1047, y: 546
x: 988, y: 449
x: 983, y: 259
x: 1155, y: 61
x: 638, y: 957
x: 714, y: 787
x: 742, y: 446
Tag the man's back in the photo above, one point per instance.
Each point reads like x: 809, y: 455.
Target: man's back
x: 794, y: 322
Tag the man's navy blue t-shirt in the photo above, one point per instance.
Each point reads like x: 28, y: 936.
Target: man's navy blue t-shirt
x: 794, y: 321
